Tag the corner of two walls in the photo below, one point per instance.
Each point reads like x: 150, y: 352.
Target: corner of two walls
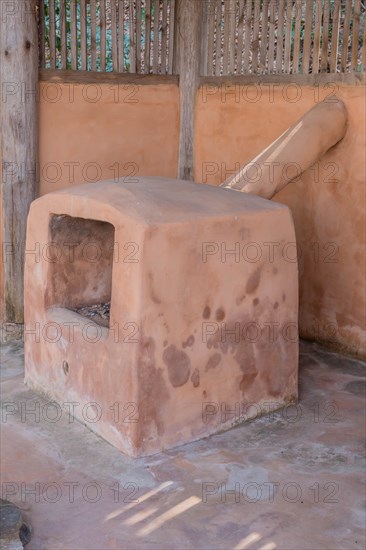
x: 327, y: 202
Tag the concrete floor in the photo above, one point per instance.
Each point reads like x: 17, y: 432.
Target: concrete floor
x: 295, y: 479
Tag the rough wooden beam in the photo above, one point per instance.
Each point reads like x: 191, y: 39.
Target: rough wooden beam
x: 189, y: 20
x: 217, y: 83
x: 58, y: 76
x: 18, y: 142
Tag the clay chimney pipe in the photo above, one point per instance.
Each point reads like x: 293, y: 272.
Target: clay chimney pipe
x: 293, y: 152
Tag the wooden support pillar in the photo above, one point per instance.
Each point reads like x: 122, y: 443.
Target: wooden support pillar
x: 18, y: 143
x: 187, y: 64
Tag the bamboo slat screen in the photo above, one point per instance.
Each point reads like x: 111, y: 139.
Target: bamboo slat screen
x: 239, y: 37
x: 283, y: 36
x: 124, y: 36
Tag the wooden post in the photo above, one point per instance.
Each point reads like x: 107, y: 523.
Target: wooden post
x: 18, y: 142
x: 188, y: 63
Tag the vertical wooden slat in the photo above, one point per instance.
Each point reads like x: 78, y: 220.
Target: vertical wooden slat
x: 226, y: 38
x: 83, y: 35
x: 156, y: 36
x: 73, y: 32
x: 296, y: 60
x: 93, y: 34
x: 307, y: 36
x: 172, y: 41
x: 52, y: 33
x: 346, y: 29
x: 210, y: 37
x: 364, y: 48
x: 272, y: 29
x: 325, y: 36
x: 113, y: 4
x: 204, y: 37
x: 164, y: 35
x: 239, y: 55
x: 176, y: 40
x: 355, y: 34
x: 287, y: 55
x: 232, y: 31
x: 103, y: 23
x: 229, y: 37
x: 257, y: 12
x: 121, y: 35
x: 63, y: 35
x: 248, y: 38
x: 279, y: 51
x: 132, y: 38
x: 218, y: 38
x: 138, y: 36
x: 264, y: 34
x: 335, y: 36
x: 317, y: 32
x: 147, y: 35
x: 42, y: 41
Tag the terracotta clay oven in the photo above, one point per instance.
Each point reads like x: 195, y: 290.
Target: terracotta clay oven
x: 202, y: 328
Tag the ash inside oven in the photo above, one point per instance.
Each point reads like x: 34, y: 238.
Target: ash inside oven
x: 99, y: 313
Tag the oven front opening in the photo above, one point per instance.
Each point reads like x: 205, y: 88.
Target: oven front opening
x: 80, y: 256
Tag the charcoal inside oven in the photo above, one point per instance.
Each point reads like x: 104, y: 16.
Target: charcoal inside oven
x: 99, y: 313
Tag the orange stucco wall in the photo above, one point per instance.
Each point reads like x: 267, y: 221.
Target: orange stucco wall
x: 99, y: 131
x: 327, y: 202
x: 89, y: 132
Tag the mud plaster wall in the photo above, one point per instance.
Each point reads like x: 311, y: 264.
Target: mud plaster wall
x: 139, y: 126
x: 327, y: 201
x: 101, y: 131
